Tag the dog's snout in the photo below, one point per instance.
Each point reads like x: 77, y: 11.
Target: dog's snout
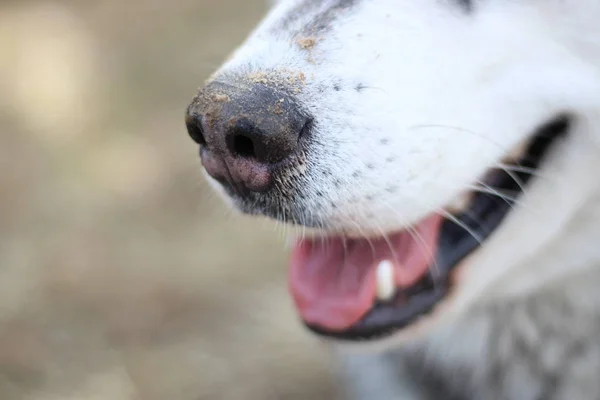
x: 246, y: 132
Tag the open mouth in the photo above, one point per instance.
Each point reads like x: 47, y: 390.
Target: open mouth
x: 358, y: 288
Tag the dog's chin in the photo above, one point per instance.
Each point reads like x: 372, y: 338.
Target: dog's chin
x: 365, y: 288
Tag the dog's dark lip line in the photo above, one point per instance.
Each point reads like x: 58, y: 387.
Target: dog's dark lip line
x: 485, y: 213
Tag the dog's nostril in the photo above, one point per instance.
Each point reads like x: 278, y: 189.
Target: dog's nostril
x: 243, y: 146
x: 196, y: 133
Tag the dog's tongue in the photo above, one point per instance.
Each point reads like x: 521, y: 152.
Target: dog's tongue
x: 332, y: 279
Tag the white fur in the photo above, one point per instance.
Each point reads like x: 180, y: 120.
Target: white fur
x: 451, y: 94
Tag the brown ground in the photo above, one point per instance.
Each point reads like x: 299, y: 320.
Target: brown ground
x: 121, y: 275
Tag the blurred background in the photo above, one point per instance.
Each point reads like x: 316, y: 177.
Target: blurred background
x: 121, y: 275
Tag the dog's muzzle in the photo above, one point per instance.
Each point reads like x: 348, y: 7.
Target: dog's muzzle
x: 255, y: 141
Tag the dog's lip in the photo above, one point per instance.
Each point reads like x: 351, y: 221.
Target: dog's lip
x: 483, y: 215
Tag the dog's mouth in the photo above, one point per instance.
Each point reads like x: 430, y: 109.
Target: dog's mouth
x: 358, y: 288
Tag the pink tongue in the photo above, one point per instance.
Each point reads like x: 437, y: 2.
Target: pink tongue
x: 332, y: 280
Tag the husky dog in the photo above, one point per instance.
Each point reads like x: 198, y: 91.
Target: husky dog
x: 442, y: 160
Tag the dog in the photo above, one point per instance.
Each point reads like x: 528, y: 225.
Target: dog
x: 439, y: 160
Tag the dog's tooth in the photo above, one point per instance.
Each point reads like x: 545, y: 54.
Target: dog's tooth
x: 386, y: 286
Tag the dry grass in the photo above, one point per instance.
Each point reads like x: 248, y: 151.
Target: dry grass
x: 121, y: 276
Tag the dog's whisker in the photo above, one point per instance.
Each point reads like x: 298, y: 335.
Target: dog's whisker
x: 504, y: 149
x: 484, y: 188
x: 345, y: 245
x: 388, y: 243
x: 508, y: 196
x: 461, y: 224
x: 515, y: 178
x: 521, y: 169
x: 418, y: 238
x: 364, y: 236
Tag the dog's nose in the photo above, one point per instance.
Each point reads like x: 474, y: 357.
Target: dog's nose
x: 246, y: 132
